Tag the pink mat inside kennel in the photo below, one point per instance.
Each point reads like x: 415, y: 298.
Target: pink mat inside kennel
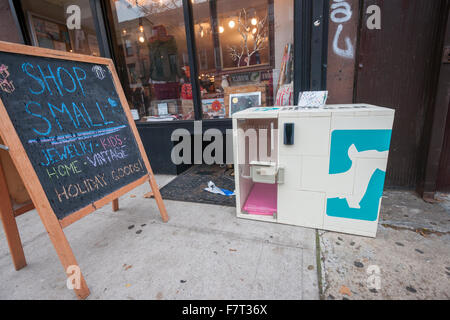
x: 262, y: 199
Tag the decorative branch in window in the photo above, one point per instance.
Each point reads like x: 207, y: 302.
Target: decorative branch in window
x: 249, y: 28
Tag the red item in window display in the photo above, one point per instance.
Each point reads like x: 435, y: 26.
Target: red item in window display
x: 186, y: 91
x: 216, y: 106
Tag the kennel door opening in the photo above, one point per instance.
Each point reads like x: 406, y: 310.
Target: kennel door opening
x: 258, y: 173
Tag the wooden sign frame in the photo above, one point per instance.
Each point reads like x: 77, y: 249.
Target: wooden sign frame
x: 52, y: 224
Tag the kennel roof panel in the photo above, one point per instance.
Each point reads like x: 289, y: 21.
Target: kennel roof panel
x: 314, y: 111
x: 258, y: 113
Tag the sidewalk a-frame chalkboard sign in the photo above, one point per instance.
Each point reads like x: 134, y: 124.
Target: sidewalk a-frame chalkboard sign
x: 67, y: 126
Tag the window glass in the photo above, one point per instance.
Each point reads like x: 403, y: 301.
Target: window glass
x: 245, y: 54
x: 150, y: 46
x: 47, y: 22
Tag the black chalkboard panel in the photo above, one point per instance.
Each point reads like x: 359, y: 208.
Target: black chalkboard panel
x: 72, y: 126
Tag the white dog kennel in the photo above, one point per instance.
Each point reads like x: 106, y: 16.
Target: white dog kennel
x: 319, y: 167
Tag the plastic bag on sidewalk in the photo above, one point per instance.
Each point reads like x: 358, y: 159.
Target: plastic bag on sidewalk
x: 214, y: 189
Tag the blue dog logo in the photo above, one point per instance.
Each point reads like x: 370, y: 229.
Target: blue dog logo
x: 361, y: 154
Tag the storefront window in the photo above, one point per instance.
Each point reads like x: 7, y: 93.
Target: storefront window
x: 245, y: 54
x: 151, y: 50
x: 46, y: 21
x: 244, y: 51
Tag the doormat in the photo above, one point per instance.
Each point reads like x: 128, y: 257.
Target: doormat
x: 190, y: 184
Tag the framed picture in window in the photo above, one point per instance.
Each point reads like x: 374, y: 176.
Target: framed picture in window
x: 242, y: 101
x: 213, y: 108
x: 48, y: 33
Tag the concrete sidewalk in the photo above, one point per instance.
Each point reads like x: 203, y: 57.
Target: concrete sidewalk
x: 411, y: 253
x: 203, y: 252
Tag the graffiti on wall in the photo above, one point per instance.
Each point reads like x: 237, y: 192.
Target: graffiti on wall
x: 341, y: 12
